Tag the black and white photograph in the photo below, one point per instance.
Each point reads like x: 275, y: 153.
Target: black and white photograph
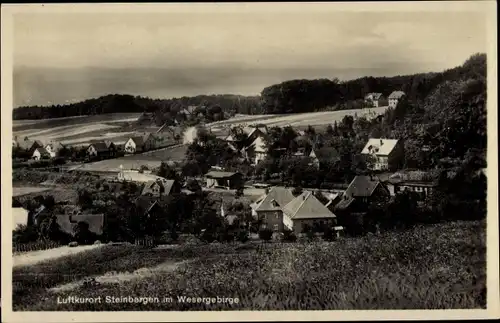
x: 225, y: 157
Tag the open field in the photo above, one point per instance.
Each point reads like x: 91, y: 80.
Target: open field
x: 77, y: 130
x: 298, y: 119
x: 435, y: 267
x: 150, y: 159
x: 24, y: 190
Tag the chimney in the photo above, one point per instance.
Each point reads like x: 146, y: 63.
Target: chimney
x: 381, y: 142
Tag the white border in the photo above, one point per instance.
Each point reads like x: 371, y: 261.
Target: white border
x: 493, y: 299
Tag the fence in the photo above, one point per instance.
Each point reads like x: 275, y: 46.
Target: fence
x: 33, y: 246
x: 145, y: 242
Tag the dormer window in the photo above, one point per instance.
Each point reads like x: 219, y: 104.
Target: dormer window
x: 274, y: 203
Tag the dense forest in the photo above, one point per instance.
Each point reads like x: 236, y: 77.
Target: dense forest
x: 292, y: 96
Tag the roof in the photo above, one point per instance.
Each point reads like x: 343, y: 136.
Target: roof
x: 219, y: 174
x: 100, y: 146
x: 28, y: 143
x: 416, y: 176
x: 281, y: 195
x: 373, y: 96
x: 396, y: 95
x: 326, y: 153
x: 307, y: 206
x: 138, y: 140
x: 42, y: 151
x: 361, y: 186
x: 167, y: 185
x: 136, y: 176
x: 379, y: 146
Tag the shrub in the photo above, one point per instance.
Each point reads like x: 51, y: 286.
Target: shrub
x: 266, y: 234
x: 289, y: 236
x: 243, y: 236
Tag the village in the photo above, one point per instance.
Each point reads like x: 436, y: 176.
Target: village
x: 247, y: 159
x: 277, y: 208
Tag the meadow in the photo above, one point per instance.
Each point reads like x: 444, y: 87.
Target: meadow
x: 77, y: 130
x: 434, y: 267
x: 299, y: 119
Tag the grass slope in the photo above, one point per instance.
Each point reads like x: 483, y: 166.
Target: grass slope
x: 435, y: 267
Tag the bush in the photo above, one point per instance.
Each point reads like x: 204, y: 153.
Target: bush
x: 243, y: 236
x: 24, y: 234
x: 289, y: 236
x: 266, y: 234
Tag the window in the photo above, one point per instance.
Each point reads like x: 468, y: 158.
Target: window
x: 275, y: 227
x: 277, y: 215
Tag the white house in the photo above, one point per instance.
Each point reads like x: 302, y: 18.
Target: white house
x: 394, y: 98
x: 41, y: 153
x: 374, y: 99
x: 53, y: 148
x: 139, y: 144
x: 386, y: 153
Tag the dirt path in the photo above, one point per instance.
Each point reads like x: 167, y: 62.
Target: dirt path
x: 114, y: 277
x: 34, y: 257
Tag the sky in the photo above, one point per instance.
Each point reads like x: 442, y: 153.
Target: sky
x: 64, y: 57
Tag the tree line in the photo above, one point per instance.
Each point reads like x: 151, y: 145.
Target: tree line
x: 293, y: 96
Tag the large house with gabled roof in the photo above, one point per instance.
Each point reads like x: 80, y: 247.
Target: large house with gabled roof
x: 395, y: 97
x: 280, y: 210
x: 384, y: 154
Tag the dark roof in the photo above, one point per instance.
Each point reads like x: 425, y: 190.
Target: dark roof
x: 139, y: 141
x: 362, y: 186
x: 28, y: 143
x: 42, y: 151
x: 219, y: 174
x: 100, y: 146
x: 167, y: 185
x: 145, y: 203
x: 327, y: 153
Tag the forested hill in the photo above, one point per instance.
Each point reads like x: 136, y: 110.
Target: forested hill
x: 297, y: 96
x: 292, y: 96
x: 120, y: 103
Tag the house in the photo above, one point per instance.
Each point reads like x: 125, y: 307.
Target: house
x: 395, y: 97
x: 386, y: 154
x: 362, y: 191
x: 53, y: 148
x: 307, y: 211
x: 160, y: 187
x: 375, y: 100
x: 41, y: 153
x: 138, y: 144
x: 227, y: 180
x: 269, y: 208
x: 420, y: 182
x: 324, y: 155
x: 27, y: 144
x: 252, y: 144
x: 256, y: 151
x: 101, y: 149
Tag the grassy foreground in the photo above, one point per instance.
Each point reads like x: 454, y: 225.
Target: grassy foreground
x: 435, y: 267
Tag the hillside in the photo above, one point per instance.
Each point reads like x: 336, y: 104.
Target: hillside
x: 294, y: 96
